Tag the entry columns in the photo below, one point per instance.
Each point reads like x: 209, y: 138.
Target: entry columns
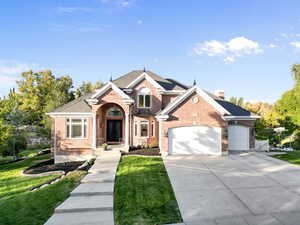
x: 127, y: 130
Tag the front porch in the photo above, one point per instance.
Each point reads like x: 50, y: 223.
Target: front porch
x: 111, y: 126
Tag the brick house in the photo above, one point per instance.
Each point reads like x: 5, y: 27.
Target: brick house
x: 142, y: 108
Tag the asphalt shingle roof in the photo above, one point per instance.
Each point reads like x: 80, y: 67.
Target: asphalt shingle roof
x: 77, y: 105
x: 168, y: 84
x: 81, y: 105
x: 235, y: 110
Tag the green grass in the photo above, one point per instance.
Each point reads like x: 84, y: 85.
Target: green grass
x: 27, y: 153
x: 34, y: 208
x: 143, y: 193
x: 292, y: 157
x: 18, y: 205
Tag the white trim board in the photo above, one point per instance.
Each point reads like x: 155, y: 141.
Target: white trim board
x: 188, y: 93
x: 69, y: 114
x: 144, y: 75
x: 105, y: 88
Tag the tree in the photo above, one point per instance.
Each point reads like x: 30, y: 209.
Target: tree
x: 287, y: 109
x: 237, y: 101
x: 41, y: 92
x: 86, y: 88
x: 12, y: 120
x: 296, y: 72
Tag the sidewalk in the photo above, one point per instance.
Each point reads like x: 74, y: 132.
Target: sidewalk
x: 91, y: 202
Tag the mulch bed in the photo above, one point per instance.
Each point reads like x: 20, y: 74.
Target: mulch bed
x: 144, y: 152
x: 48, y: 166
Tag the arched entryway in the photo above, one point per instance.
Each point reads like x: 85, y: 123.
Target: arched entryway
x: 111, y: 124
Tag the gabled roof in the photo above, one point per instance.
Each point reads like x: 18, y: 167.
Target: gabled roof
x: 188, y: 93
x: 167, y: 84
x: 234, y: 109
x: 107, y: 87
x: 78, y: 105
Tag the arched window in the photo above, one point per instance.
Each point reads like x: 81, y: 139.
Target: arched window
x: 144, y: 98
x: 114, y: 111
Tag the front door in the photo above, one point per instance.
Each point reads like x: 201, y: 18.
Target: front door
x: 114, y: 130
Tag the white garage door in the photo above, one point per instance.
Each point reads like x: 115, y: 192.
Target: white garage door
x: 238, y: 138
x: 195, y: 140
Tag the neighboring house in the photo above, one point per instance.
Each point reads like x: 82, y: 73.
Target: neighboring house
x: 142, y: 108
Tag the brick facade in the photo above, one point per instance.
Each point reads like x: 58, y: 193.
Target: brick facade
x: 191, y: 112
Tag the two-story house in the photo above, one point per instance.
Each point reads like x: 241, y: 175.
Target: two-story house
x: 142, y: 108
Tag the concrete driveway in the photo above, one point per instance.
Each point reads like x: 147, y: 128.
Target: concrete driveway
x: 244, y: 189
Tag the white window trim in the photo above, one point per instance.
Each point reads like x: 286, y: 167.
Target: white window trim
x: 138, y: 101
x: 143, y: 122
x: 76, y: 123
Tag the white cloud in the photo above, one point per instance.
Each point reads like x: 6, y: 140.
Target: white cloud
x: 242, y: 45
x: 139, y: 22
x: 121, y: 3
x: 7, y: 81
x: 8, y: 67
x: 235, y: 47
x: 74, y: 9
x: 295, y: 44
x: 272, y: 46
x: 229, y: 59
x: 125, y: 3
x: 284, y: 35
x: 211, y: 48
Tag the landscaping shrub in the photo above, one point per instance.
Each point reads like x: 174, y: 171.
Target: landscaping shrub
x: 14, y: 145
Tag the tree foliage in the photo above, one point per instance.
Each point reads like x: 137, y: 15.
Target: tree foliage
x: 237, y: 101
x: 86, y: 88
x: 12, y: 118
x: 41, y: 92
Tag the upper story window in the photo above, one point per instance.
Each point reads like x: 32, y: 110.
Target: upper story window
x: 144, y: 98
x: 76, y: 128
x: 114, y: 111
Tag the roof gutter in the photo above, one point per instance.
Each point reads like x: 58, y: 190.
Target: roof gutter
x: 53, y: 114
x: 228, y: 118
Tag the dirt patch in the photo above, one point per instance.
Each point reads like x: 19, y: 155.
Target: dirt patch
x: 144, y: 152
x: 48, y: 166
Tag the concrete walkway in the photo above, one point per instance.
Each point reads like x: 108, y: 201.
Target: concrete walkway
x: 245, y: 189
x: 91, y: 202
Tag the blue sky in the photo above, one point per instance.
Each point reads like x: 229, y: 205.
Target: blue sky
x: 243, y: 47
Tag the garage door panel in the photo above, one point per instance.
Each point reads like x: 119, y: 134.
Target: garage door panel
x: 238, y: 138
x: 195, y: 140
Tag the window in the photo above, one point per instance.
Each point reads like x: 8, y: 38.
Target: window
x: 152, y: 129
x: 76, y: 128
x: 144, y: 128
x: 114, y: 111
x: 144, y: 98
x: 135, y: 129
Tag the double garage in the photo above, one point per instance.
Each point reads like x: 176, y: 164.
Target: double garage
x: 207, y: 140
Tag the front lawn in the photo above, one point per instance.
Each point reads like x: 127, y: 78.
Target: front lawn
x: 143, y: 193
x: 19, y: 206
x: 27, y: 153
x: 292, y: 157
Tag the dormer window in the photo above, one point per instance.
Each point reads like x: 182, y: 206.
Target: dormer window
x: 144, y: 98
